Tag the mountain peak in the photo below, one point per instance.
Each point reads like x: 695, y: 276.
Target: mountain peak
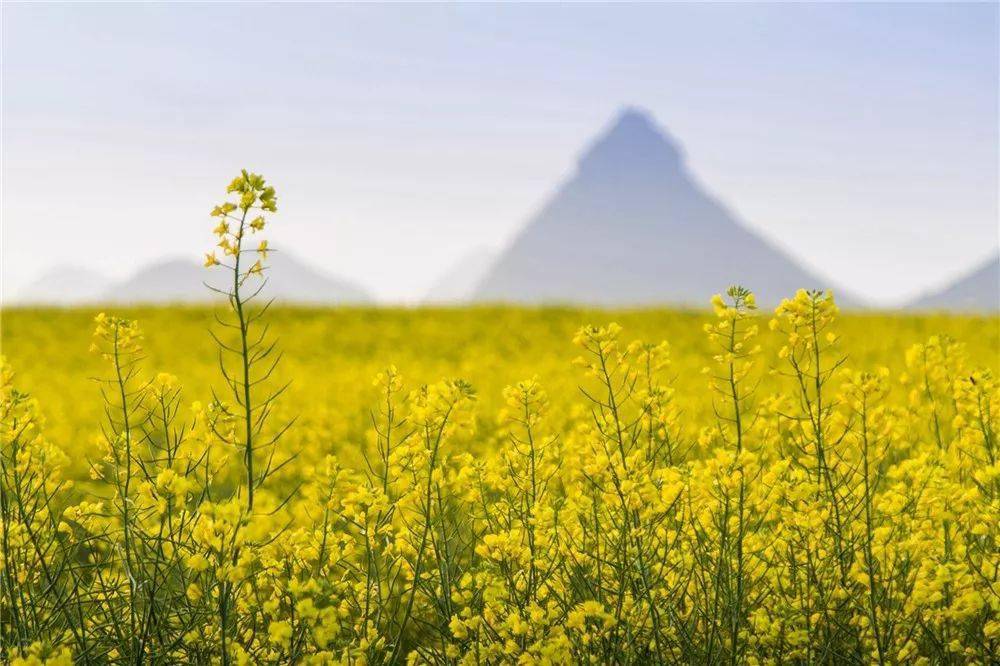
x: 632, y: 227
x: 633, y: 142
x: 635, y: 116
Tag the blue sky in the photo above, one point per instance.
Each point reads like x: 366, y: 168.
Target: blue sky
x: 401, y: 137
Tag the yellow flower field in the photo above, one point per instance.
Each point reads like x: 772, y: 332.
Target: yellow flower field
x: 332, y: 355
x: 496, y: 485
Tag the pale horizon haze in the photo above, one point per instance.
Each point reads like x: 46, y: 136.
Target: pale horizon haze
x: 862, y: 138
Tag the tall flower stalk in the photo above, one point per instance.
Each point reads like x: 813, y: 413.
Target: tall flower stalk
x: 235, y: 228
x: 733, y: 337
x: 249, y: 361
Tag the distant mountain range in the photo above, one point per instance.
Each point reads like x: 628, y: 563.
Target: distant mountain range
x: 978, y: 291
x: 632, y: 227
x: 183, y: 281
x: 64, y: 285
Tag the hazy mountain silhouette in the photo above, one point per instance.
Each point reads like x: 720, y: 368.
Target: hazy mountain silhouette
x: 632, y: 227
x: 977, y: 291
x: 458, y: 283
x: 64, y: 285
x: 167, y: 281
x: 183, y: 281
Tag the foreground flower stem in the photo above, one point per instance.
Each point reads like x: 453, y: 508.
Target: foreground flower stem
x: 245, y: 357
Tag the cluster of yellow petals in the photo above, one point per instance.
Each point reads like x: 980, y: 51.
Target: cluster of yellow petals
x: 235, y: 221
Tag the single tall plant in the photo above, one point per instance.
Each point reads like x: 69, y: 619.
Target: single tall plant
x: 247, y: 357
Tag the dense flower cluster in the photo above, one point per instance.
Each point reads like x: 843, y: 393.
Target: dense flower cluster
x: 795, y: 509
x: 253, y: 194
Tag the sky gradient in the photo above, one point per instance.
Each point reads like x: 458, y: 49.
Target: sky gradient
x: 862, y: 138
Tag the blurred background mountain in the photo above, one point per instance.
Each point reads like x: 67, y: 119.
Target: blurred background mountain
x: 633, y: 227
x: 630, y: 227
x: 977, y: 291
x: 184, y: 281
